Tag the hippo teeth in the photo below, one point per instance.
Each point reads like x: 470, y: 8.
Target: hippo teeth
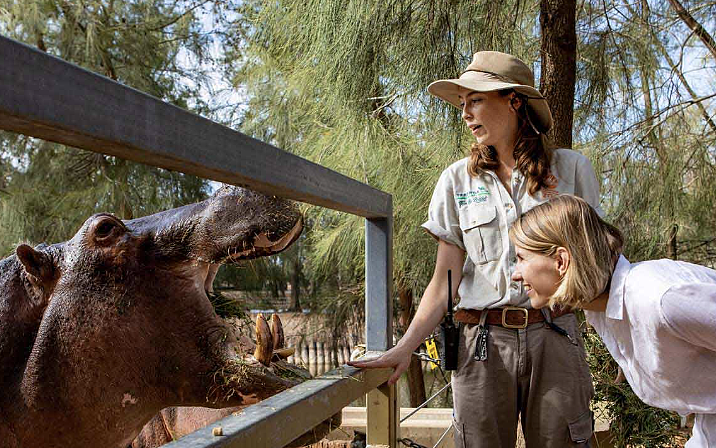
x: 263, y: 242
x: 277, y: 332
x: 270, y: 341
x: 264, y: 341
x: 262, y: 245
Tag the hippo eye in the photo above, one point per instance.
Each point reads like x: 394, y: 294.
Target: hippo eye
x: 104, y: 228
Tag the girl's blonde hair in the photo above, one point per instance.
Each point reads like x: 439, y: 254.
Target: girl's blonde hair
x: 593, y: 245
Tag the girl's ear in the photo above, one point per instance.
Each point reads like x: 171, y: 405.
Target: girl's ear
x: 563, y: 260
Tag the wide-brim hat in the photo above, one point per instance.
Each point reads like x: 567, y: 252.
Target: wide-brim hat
x: 490, y: 71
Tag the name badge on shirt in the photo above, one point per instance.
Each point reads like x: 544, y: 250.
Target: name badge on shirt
x: 478, y: 196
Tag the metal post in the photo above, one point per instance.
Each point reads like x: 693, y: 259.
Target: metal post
x: 381, y: 404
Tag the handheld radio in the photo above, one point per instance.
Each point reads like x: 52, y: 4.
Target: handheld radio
x: 450, y: 334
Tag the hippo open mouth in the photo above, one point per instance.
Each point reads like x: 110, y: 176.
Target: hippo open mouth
x: 235, y: 225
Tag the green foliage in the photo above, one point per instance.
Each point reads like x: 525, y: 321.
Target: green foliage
x: 59, y: 188
x: 343, y: 84
x: 227, y: 307
x: 654, y: 151
x: 635, y: 116
x: 48, y: 190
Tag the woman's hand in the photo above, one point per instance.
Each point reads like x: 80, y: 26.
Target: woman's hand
x: 397, y: 358
x: 430, y: 311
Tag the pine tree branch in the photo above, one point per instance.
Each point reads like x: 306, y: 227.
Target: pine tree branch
x: 67, y: 11
x: 689, y: 20
x: 611, y: 34
x: 674, y: 67
x: 691, y: 91
x: 683, y: 104
x: 697, y: 246
x: 179, y: 17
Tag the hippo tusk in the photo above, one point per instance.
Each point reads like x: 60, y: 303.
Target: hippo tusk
x: 210, y: 276
x: 264, y: 341
x: 263, y: 242
x: 267, y: 246
x: 277, y: 332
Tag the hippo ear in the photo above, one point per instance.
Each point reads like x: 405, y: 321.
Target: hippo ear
x: 36, y: 263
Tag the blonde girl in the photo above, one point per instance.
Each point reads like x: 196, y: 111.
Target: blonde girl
x: 657, y: 318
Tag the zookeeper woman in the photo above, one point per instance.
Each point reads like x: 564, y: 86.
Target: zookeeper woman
x: 523, y: 368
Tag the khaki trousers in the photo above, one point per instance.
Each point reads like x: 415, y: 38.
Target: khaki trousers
x: 533, y: 373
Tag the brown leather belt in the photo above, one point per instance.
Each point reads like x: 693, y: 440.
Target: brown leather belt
x: 508, y: 317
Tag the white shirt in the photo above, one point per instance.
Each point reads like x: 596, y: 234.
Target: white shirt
x: 476, y: 212
x: 660, y: 327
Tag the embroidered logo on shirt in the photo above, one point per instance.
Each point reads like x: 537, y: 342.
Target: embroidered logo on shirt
x: 472, y: 197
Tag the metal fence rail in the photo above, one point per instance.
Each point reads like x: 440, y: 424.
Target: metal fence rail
x: 274, y: 421
x: 45, y: 97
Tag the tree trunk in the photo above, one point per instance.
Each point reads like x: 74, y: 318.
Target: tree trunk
x: 695, y: 26
x: 672, y: 246
x: 416, y: 383
x: 559, y: 65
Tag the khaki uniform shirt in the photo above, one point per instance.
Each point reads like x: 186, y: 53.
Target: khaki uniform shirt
x: 475, y: 214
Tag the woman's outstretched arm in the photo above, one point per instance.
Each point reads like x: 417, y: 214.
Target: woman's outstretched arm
x: 431, y: 310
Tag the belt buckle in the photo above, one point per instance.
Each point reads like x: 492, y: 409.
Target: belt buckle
x: 507, y: 309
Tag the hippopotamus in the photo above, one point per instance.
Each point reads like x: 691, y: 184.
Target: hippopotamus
x: 101, y: 332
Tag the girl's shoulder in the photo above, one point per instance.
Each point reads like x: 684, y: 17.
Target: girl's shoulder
x: 674, y: 272
x: 458, y: 165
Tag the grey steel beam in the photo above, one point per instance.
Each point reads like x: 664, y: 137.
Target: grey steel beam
x: 45, y: 97
x: 277, y: 421
x: 379, y: 283
x: 382, y: 407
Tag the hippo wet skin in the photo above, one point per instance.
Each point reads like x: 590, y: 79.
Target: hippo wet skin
x: 99, y: 333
